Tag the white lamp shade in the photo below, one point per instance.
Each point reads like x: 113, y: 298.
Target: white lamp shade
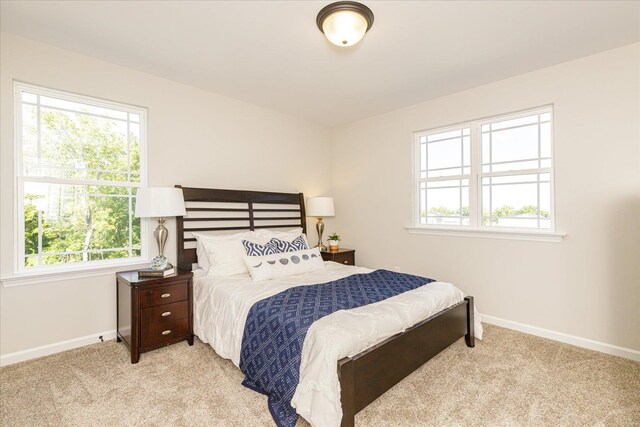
x: 321, y: 207
x: 160, y: 202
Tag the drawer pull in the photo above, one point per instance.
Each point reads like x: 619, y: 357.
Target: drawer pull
x: 166, y: 313
x: 165, y: 295
x: 167, y: 332
x: 345, y: 262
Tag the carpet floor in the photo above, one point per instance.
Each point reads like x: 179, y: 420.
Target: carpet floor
x: 508, y: 379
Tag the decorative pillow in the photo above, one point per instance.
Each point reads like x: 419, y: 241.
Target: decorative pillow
x: 284, y: 264
x: 297, y: 244
x: 275, y: 246
x: 265, y: 235
x: 256, y: 249
x: 225, y: 252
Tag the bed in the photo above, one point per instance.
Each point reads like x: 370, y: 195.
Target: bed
x: 349, y: 358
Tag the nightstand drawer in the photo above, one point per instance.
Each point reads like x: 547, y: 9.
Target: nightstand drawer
x: 342, y: 256
x: 158, y: 333
x: 164, y: 314
x: 163, y: 295
x: 346, y: 259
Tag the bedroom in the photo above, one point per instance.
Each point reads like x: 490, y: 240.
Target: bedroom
x: 252, y: 96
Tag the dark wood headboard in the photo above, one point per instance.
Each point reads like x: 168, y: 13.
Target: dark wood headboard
x: 211, y: 209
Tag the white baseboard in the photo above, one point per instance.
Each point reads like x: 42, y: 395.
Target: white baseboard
x: 45, y: 350
x: 565, y: 338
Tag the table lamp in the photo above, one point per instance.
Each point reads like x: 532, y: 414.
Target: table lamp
x: 320, y: 207
x: 159, y: 203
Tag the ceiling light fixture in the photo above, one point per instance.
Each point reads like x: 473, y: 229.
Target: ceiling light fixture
x: 344, y: 23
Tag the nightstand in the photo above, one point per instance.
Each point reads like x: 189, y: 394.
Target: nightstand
x: 154, y: 311
x: 342, y: 256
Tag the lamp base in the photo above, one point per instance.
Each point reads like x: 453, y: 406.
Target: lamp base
x: 320, y: 230
x: 160, y: 262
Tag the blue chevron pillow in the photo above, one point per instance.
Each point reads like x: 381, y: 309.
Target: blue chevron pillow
x: 256, y: 249
x: 275, y: 246
x: 297, y: 244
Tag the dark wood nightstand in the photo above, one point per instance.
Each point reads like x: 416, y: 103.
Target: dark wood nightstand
x: 342, y: 256
x: 154, y: 311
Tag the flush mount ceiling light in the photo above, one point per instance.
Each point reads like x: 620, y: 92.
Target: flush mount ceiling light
x: 344, y: 23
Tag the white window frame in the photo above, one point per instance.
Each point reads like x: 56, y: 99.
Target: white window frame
x: 417, y: 170
x: 54, y: 272
x: 475, y: 227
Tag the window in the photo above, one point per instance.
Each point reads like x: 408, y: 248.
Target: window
x: 445, y: 171
x: 79, y: 161
x: 492, y: 174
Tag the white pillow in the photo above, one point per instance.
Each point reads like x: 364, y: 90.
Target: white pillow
x: 267, y: 267
x: 264, y: 235
x: 224, y: 252
x: 201, y: 253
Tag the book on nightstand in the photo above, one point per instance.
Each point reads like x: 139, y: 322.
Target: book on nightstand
x: 150, y: 272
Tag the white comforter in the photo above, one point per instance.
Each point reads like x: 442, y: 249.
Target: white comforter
x: 221, y: 306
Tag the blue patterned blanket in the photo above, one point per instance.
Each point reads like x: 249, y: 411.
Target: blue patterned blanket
x: 276, y: 327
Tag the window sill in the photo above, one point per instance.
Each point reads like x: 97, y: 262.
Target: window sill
x: 52, y: 275
x: 535, y: 236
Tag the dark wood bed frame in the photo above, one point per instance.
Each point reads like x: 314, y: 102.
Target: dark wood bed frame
x: 365, y: 376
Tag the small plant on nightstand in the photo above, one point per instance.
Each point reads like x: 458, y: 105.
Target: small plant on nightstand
x: 334, y: 240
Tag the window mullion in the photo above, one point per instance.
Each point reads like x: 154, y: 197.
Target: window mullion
x: 539, y: 167
x: 130, y: 201
x: 129, y: 180
x: 474, y: 195
x: 444, y: 178
x: 39, y: 136
x: 39, y: 237
x: 490, y: 180
x: 19, y: 258
x: 417, y: 173
x: 515, y: 172
x: 72, y: 181
x: 461, y: 170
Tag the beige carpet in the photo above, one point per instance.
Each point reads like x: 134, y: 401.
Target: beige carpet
x: 508, y: 379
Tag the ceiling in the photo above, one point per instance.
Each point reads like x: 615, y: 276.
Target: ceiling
x: 270, y: 53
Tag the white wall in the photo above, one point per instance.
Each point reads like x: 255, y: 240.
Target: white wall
x: 195, y: 138
x: 589, y: 284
